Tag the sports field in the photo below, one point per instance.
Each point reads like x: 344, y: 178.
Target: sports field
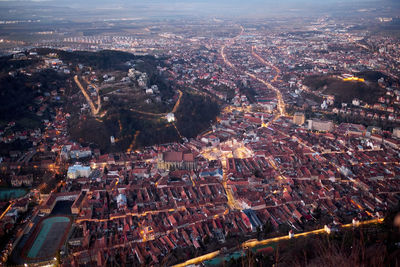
x: 50, y: 237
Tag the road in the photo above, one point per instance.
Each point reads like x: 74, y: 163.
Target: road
x: 259, y: 58
x: 93, y: 109
x: 177, y: 130
x: 281, y: 103
x: 124, y: 244
x: 132, y: 145
x: 200, y: 259
x: 254, y: 243
x: 97, y: 91
x: 148, y: 113
x: 176, y: 106
x: 133, y: 214
x: 230, y: 42
x: 5, y: 212
x: 232, y: 203
x: 174, y: 109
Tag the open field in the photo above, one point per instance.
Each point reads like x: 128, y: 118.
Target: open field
x: 47, y: 238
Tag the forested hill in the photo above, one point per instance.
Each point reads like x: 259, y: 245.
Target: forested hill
x: 105, y: 59
x: 31, y: 90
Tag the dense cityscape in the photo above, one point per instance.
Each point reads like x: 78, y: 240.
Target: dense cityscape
x: 108, y: 161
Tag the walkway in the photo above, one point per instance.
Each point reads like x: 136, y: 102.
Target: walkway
x: 254, y: 243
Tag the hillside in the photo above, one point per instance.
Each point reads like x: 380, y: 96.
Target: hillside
x: 105, y: 59
x: 31, y: 89
x: 346, y: 91
x: 193, y: 116
x: 20, y: 97
x: 130, y: 113
x: 368, y: 245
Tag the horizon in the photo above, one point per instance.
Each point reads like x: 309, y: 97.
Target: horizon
x: 159, y: 9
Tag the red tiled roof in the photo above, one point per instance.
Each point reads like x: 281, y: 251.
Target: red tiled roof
x: 173, y: 156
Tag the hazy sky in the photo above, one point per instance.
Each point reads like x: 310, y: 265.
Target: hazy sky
x: 85, y: 9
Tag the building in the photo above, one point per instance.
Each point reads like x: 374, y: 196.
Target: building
x: 396, y: 132
x: 121, y: 201
x: 176, y: 160
x: 23, y: 180
x: 299, y: 118
x: 53, y: 198
x: 170, y: 117
x: 320, y: 125
x: 374, y: 130
x: 79, y: 153
x: 356, y: 102
x: 53, y: 62
x: 78, y: 171
x: 76, y: 206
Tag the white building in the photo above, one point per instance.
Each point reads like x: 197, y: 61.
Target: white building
x: 78, y: 171
x: 356, y: 102
x: 170, y: 117
x: 121, y: 200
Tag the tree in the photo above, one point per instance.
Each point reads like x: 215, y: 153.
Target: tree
x: 258, y: 233
x: 284, y: 228
x: 257, y: 173
x: 317, y: 212
x: 268, y: 228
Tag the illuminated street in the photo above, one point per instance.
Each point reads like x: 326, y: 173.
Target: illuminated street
x: 95, y: 110
x: 254, y: 243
